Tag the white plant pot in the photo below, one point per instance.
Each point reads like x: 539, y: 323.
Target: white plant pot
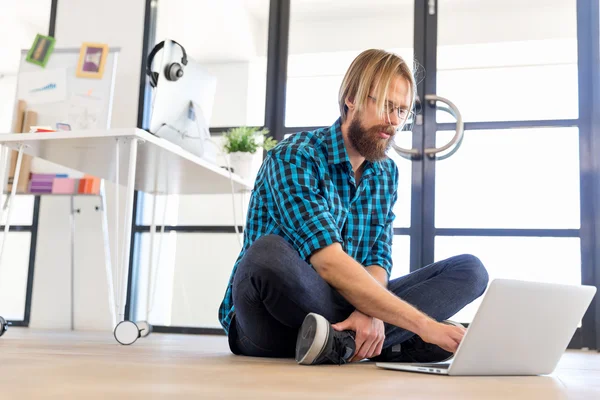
x: 242, y: 164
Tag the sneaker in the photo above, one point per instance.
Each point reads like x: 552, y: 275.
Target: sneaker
x: 416, y: 350
x: 319, y: 343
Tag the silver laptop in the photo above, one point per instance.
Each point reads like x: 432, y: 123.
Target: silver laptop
x: 520, y: 328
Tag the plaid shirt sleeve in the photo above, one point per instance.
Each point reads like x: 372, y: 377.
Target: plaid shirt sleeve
x: 299, y: 209
x: 381, y: 252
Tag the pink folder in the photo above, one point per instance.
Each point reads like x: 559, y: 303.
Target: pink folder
x: 63, y: 186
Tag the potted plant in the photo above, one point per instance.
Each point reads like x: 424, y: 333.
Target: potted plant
x: 242, y: 143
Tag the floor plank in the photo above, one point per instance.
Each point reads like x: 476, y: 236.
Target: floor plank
x: 65, y: 365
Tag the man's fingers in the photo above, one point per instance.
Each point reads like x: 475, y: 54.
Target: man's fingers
x: 359, y: 342
x: 341, y: 326
x: 360, y: 352
x: 452, y: 345
x: 364, y: 349
x: 449, y: 345
x: 458, y: 335
x: 460, y: 330
x: 371, y: 350
x: 379, y: 347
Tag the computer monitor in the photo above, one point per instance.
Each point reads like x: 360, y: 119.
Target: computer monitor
x: 181, y: 109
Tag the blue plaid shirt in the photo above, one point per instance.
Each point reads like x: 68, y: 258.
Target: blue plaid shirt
x: 305, y: 192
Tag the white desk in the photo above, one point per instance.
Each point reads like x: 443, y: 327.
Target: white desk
x: 153, y: 165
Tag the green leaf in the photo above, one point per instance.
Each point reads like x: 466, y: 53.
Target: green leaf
x: 247, y: 139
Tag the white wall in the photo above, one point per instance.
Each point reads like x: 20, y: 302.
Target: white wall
x: 120, y: 24
x: 8, y: 85
x: 19, y: 23
x: 232, y: 78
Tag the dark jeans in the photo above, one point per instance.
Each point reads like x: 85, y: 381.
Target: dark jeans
x: 274, y: 289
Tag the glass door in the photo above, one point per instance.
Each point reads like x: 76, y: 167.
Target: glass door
x: 510, y: 194
x: 508, y: 188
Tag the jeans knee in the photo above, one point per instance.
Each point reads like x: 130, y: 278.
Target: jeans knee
x: 477, y: 273
x: 268, y: 246
x: 263, y: 257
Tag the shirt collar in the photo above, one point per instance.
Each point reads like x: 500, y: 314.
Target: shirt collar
x: 336, y: 151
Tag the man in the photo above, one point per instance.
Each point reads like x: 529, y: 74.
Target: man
x: 317, y: 245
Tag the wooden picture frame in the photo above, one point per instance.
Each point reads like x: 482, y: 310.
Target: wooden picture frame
x: 40, y: 50
x: 92, y: 58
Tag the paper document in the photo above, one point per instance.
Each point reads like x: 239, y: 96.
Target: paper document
x: 44, y: 86
x: 84, y: 112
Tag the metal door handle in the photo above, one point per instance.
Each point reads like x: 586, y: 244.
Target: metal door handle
x: 414, y: 154
x: 409, y: 154
x: 460, y: 127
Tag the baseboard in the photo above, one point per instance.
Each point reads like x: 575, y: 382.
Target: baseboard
x: 188, y: 330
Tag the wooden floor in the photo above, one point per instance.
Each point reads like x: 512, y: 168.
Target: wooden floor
x: 80, y: 365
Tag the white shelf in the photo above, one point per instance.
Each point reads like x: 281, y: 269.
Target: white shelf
x: 162, y: 167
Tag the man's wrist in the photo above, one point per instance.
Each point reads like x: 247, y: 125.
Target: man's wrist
x: 422, y: 323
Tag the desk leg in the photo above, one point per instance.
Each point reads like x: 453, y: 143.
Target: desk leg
x: 145, y: 326
x: 13, y: 193
x: 72, y: 220
x: 107, y: 256
x: 3, y: 160
x: 149, y: 298
x: 127, y: 332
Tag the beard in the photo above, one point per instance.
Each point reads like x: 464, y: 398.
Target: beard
x: 367, y: 142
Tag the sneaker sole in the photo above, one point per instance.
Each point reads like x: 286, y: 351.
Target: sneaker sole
x: 322, y: 328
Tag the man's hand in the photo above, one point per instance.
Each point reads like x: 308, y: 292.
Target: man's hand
x: 370, y: 333
x: 448, y: 337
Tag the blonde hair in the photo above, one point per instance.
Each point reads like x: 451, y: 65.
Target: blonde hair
x: 373, y: 69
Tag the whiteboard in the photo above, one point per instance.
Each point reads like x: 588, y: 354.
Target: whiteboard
x: 59, y: 96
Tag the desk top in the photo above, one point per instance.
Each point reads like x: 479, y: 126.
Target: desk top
x: 162, y: 167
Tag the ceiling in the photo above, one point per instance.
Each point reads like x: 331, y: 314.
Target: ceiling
x: 327, y: 9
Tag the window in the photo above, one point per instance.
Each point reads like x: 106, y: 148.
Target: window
x: 526, y: 72
x: 320, y: 51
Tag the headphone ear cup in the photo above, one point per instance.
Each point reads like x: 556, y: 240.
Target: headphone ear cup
x: 154, y: 79
x: 174, y: 72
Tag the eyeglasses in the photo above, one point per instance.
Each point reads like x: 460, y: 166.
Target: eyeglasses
x: 403, y: 113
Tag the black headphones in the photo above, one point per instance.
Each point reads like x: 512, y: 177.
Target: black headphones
x: 173, y: 71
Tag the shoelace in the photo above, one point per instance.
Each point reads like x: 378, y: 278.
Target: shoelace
x: 338, y: 349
